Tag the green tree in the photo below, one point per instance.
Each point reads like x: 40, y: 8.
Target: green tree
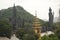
x: 57, y: 30
x: 53, y: 37
x: 20, y: 32
x: 50, y: 37
x: 29, y: 37
x: 5, y: 29
x: 44, y: 38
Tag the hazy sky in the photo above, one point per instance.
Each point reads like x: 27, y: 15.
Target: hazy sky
x: 42, y: 6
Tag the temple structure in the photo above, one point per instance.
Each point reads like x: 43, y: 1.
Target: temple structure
x: 36, y: 26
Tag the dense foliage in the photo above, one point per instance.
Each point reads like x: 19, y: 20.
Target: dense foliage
x: 57, y: 29
x: 26, y: 35
x: 50, y: 37
x: 30, y: 35
x: 20, y: 33
x: 5, y: 29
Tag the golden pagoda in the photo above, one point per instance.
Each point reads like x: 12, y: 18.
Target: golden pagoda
x: 36, y: 26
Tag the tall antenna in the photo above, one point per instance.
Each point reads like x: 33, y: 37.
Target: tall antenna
x: 35, y: 13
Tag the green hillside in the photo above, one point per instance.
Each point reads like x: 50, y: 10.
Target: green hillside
x: 21, y: 15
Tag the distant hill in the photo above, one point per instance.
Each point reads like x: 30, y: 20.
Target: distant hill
x: 56, y: 19
x: 21, y: 13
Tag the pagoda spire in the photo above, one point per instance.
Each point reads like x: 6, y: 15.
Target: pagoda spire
x: 35, y: 13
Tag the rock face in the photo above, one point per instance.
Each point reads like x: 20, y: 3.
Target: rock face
x: 12, y: 38
x: 4, y: 38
